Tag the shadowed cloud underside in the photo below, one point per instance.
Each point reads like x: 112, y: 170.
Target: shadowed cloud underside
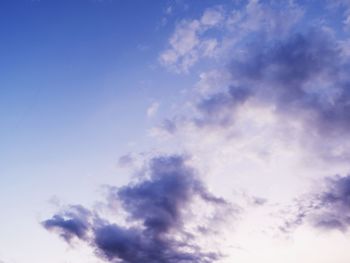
x: 156, y: 205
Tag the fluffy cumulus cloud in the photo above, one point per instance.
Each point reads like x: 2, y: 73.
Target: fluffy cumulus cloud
x: 158, y: 211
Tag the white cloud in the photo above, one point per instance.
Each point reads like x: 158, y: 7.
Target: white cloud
x: 188, y: 43
x: 212, y: 17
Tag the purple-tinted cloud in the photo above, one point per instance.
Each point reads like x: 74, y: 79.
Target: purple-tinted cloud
x: 217, y: 109
x: 328, y: 209
x: 157, y: 207
x: 69, y: 224
x: 158, y: 202
x: 304, y: 75
x: 334, y: 205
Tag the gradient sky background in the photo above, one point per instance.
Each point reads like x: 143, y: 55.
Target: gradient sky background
x: 225, y: 122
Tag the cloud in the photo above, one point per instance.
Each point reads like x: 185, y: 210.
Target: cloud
x: 327, y: 208
x: 333, y: 209
x: 188, y: 43
x: 126, y: 160
x: 158, y: 209
x: 217, y: 109
x: 305, y: 73
x: 257, y: 46
x: 276, y: 116
x: 272, y: 18
x: 71, y: 223
x: 152, y: 109
x: 213, y: 81
x: 193, y: 39
x: 303, y: 79
x: 212, y: 17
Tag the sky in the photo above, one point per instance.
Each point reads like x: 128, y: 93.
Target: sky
x: 174, y: 131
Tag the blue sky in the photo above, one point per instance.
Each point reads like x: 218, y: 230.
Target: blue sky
x: 128, y: 127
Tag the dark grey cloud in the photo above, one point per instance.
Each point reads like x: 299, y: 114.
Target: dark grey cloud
x: 157, y: 208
